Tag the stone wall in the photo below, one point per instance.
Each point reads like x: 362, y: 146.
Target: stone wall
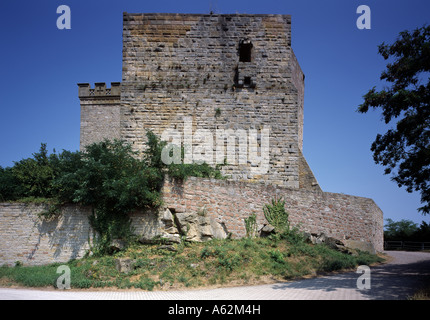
x: 298, y: 80
x: 230, y: 202
x: 186, y: 76
x: 34, y: 241
x: 26, y: 238
x: 31, y: 241
x: 307, y: 179
x: 188, y: 66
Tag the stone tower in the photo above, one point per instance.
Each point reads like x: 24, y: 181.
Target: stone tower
x: 100, y: 112
x: 223, y: 86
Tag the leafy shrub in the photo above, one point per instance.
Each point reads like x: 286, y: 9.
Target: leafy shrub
x: 35, y: 175
x: 107, y: 176
x: 276, y: 214
x: 183, y: 170
x: 251, y: 226
x: 277, y: 256
x: 10, y: 187
x: 111, y: 177
x: 333, y: 261
x: 294, y: 236
x: 31, y: 177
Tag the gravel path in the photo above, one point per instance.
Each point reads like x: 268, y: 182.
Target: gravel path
x: 393, y: 281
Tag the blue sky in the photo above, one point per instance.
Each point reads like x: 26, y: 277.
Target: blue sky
x: 41, y: 65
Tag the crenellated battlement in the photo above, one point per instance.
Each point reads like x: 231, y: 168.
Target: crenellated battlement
x: 100, y: 112
x: 99, y: 90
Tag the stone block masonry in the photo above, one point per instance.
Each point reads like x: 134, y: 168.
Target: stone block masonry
x: 31, y: 241
x: 229, y: 73
x: 230, y: 202
x: 224, y: 72
x: 26, y: 238
x: 100, y: 112
x: 34, y: 241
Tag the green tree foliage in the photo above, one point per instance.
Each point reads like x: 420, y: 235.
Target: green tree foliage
x: 399, y: 230
x: 34, y: 175
x: 108, y: 176
x: 10, y: 188
x: 406, y: 230
x: 423, y: 232
x: 184, y: 170
x: 153, y: 151
x: 404, y: 151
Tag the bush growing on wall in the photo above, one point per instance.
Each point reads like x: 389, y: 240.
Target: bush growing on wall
x: 107, y: 176
x: 113, y: 182
x: 276, y: 214
x: 251, y: 226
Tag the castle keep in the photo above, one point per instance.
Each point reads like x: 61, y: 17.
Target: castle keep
x: 224, y: 87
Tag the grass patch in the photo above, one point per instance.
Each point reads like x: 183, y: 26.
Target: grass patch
x: 217, y: 262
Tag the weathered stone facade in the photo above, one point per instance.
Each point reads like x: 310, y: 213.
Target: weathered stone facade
x: 197, y: 80
x: 202, y: 208
x: 188, y: 77
x: 341, y: 216
x: 28, y: 239
x: 100, y: 112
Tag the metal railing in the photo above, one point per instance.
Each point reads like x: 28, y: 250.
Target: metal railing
x: 406, y: 245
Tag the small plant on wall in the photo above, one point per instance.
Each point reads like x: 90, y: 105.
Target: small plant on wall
x: 251, y: 226
x: 276, y: 214
x: 217, y: 112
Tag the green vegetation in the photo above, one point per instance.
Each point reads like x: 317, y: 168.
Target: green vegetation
x: 406, y: 230
x: 276, y: 215
x: 218, y: 110
x: 107, y: 176
x: 405, y: 105
x: 251, y: 226
x: 217, y: 262
x: 111, y: 179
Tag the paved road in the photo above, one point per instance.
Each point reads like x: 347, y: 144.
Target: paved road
x: 395, y: 280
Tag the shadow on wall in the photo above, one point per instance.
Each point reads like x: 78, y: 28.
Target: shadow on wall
x: 62, y: 238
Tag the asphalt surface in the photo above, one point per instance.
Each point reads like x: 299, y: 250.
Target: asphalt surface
x: 396, y: 280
